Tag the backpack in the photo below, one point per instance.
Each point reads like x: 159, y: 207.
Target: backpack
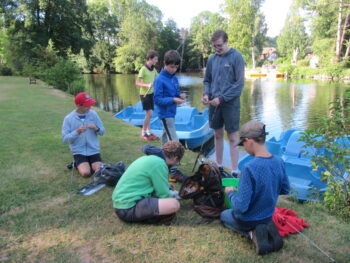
x: 109, y: 174
x: 205, y: 188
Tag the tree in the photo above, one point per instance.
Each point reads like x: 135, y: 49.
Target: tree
x: 202, y: 27
x: 169, y: 38
x: 31, y: 24
x: 105, y: 26
x: 138, y: 33
x: 244, y: 28
x: 293, y: 38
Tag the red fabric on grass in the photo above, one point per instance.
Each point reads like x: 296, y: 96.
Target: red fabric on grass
x: 282, y: 216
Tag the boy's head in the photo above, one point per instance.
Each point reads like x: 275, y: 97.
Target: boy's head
x: 252, y: 130
x: 219, y: 42
x: 84, y: 99
x: 152, y: 56
x: 172, y: 61
x: 173, y: 151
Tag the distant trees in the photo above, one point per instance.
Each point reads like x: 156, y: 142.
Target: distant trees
x: 246, y: 27
x: 292, y: 41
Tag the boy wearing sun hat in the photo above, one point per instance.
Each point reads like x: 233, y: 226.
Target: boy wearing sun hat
x: 80, y: 129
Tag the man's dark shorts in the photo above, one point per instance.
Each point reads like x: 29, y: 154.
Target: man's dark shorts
x: 145, y: 211
x: 147, y: 102
x: 78, y: 159
x: 226, y: 114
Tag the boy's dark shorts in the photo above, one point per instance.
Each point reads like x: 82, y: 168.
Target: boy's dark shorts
x: 147, y: 102
x: 78, y: 159
x: 226, y: 114
x: 145, y: 211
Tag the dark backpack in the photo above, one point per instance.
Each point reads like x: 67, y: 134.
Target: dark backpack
x: 205, y: 188
x: 109, y: 174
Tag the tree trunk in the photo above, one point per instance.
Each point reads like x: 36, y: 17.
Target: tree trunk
x: 295, y: 56
x: 347, y: 52
x: 253, y: 53
x: 339, y: 32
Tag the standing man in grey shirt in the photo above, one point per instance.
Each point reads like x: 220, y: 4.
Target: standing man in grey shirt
x: 223, y: 85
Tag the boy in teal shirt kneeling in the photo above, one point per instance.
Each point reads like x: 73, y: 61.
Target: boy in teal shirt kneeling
x: 142, y: 194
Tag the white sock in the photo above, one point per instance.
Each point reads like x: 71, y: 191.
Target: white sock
x: 148, y: 132
x: 143, y: 132
x: 219, y: 165
x: 235, y: 171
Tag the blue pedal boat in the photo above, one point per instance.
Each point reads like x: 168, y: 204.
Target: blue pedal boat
x: 134, y: 114
x: 192, y: 126
x: 304, y: 181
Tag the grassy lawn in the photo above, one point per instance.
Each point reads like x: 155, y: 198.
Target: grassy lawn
x: 43, y: 220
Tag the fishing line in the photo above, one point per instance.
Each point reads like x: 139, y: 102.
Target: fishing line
x: 308, y: 239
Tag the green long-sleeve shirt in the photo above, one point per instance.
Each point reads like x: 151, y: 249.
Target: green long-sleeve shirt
x: 145, y: 177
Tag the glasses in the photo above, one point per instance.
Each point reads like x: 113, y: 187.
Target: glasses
x: 218, y: 46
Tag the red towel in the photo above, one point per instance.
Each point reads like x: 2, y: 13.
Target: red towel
x: 282, y: 216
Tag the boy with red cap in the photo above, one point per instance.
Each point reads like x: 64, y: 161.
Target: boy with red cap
x: 80, y: 129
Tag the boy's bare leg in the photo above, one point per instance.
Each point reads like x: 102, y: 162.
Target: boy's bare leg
x: 168, y: 206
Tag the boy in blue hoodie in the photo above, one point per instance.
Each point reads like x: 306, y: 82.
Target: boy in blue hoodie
x: 80, y: 129
x: 167, y: 96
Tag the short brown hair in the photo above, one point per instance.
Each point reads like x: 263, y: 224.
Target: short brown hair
x: 173, y: 148
x: 219, y: 34
x: 151, y: 54
x: 172, y: 57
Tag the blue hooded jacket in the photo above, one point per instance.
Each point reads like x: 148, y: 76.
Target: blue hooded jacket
x: 166, y: 88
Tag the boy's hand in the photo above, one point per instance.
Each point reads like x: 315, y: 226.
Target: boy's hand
x: 81, y: 129
x: 215, y: 102
x: 183, y: 96
x: 92, y: 126
x: 205, y: 99
x: 230, y: 188
x: 178, y: 100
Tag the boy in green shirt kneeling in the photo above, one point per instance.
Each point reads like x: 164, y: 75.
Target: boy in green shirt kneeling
x: 142, y: 194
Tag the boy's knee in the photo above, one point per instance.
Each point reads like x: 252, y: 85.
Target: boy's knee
x: 175, y: 205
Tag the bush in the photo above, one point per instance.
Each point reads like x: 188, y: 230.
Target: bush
x: 62, y: 74
x: 303, y: 63
x: 5, y: 71
x: 332, y: 141
x: 76, y: 87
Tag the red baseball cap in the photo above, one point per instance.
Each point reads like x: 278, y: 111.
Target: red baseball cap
x: 84, y: 99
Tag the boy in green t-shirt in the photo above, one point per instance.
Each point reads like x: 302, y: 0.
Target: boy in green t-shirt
x: 145, y: 80
x: 142, y: 194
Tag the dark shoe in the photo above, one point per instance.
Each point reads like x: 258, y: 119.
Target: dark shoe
x: 176, y: 175
x: 234, y: 175
x: 260, y: 239
x: 274, y: 236
x: 223, y: 173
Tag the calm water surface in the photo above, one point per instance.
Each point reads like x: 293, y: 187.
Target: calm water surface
x: 280, y: 104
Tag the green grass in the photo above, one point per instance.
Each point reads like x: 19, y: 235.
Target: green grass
x: 43, y: 220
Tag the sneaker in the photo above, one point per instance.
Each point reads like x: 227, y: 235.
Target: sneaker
x: 274, y: 236
x: 223, y: 173
x: 176, y: 176
x: 234, y: 174
x: 145, y: 137
x: 260, y: 239
x: 152, y: 137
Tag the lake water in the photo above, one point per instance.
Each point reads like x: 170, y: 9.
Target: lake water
x: 280, y: 104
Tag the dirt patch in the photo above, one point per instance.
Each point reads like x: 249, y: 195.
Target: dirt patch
x: 57, y: 92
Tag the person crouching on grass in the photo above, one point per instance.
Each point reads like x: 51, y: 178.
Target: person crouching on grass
x: 80, y: 129
x: 144, y: 80
x: 262, y: 180
x: 142, y: 195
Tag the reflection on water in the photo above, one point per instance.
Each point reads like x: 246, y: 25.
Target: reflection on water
x: 279, y: 104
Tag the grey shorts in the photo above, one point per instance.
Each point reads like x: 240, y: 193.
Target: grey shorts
x: 145, y: 211
x: 227, y: 115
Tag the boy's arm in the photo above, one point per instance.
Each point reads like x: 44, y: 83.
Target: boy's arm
x: 160, y: 181
x: 139, y: 79
x: 207, y: 78
x: 285, y: 187
x: 159, y: 98
x: 68, y: 136
x: 99, y: 124
x: 241, y: 200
